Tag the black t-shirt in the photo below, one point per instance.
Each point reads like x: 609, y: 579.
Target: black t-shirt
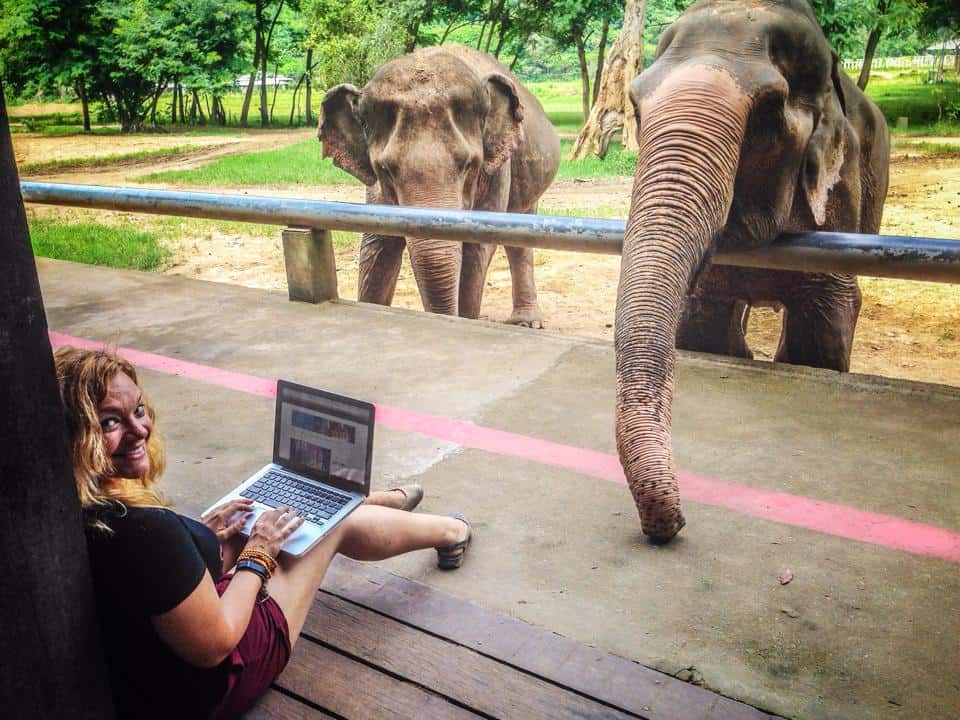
x: 149, y: 564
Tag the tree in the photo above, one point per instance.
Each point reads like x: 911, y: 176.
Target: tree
x: 265, y: 16
x: 571, y: 23
x: 613, y: 110
x: 352, y: 38
x: 940, y: 21
x: 49, y: 44
x: 856, y: 26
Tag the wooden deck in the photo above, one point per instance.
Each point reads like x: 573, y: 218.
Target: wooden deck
x: 380, y: 646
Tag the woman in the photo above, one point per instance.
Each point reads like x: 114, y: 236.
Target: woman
x: 184, y: 636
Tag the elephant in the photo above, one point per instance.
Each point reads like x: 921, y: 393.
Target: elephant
x: 443, y: 127
x: 747, y: 128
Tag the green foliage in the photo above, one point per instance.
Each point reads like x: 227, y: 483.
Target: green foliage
x: 352, y: 38
x: 98, y: 244
x: 847, y: 23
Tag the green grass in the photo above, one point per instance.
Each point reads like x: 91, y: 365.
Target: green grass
x: 925, y: 104
x: 935, y: 149
x: 298, y: 164
x: 96, y: 244
x: 617, y: 163
x: 103, y: 160
x: 561, y: 102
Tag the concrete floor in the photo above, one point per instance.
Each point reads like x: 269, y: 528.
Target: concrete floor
x: 862, y: 631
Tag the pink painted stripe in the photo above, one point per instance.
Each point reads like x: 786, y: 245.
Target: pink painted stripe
x: 796, y: 510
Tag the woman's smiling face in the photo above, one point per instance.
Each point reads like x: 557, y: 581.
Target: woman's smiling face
x: 126, y: 427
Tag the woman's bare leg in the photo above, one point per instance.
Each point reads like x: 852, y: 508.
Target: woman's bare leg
x: 371, y: 532
x: 387, y: 498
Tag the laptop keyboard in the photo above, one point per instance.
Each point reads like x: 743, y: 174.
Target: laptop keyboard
x: 316, y: 504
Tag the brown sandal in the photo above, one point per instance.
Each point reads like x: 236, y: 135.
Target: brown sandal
x: 412, y: 495
x: 451, y: 556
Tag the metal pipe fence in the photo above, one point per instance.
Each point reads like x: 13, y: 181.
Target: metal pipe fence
x: 914, y: 258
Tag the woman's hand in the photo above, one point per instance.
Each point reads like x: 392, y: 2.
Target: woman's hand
x: 228, y: 519
x: 272, y: 529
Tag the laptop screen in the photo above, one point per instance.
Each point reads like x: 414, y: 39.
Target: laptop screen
x: 324, y: 436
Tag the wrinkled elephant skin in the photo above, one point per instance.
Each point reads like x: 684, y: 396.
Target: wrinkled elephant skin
x: 747, y: 128
x: 443, y: 127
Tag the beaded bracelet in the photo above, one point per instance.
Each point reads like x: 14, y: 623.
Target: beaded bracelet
x: 268, y: 561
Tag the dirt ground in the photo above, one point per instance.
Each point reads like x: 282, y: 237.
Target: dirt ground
x: 907, y: 329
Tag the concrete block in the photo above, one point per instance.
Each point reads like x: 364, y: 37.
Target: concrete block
x: 310, y: 264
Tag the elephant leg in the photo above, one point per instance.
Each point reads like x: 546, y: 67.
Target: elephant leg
x: 473, y: 275
x: 714, y: 325
x: 380, y: 260
x: 526, y: 309
x: 820, y: 317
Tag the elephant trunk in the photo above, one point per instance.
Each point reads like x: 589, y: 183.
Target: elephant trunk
x: 691, y: 131
x: 436, y: 263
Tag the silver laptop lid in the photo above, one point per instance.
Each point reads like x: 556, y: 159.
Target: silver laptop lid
x: 324, y: 436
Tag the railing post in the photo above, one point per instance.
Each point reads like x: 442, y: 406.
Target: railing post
x: 310, y: 263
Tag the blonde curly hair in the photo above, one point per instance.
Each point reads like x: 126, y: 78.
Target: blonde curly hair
x: 84, y: 376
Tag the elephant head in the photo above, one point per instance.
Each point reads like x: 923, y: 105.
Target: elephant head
x: 428, y: 131
x: 743, y: 133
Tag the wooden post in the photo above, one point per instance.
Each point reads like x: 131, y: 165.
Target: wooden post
x: 311, y: 265
x: 49, y: 639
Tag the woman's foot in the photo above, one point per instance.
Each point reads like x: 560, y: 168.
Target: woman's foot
x: 403, y: 497
x: 450, y: 557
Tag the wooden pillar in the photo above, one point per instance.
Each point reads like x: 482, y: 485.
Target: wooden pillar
x: 310, y: 263
x: 50, y: 653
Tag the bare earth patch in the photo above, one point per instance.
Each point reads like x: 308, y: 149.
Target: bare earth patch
x: 907, y: 329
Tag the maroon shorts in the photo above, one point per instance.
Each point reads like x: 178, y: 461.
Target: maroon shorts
x: 257, y: 660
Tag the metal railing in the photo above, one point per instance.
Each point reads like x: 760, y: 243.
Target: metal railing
x: 914, y: 258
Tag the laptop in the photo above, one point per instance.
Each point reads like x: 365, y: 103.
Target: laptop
x: 322, y: 453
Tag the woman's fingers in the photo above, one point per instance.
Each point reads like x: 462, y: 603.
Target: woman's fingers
x: 292, y: 525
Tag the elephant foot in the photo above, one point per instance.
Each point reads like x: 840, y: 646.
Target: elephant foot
x: 531, y: 318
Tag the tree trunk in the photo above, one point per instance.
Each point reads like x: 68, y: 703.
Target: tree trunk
x: 449, y: 28
x: 264, y: 57
x: 584, y: 78
x: 495, y: 14
x: 308, y: 97
x: 412, y: 30
x: 601, y: 49
x: 84, y: 105
x: 871, y: 48
x: 53, y: 664
x: 276, y: 88
x: 520, y: 48
x: 612, y: 110
x: 264, y: 121
x: 152, y: 113
x: 257, y: 48
x: 183, y: 115
x: 196, y: 109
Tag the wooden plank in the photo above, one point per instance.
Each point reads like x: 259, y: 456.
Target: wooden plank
x: 277, y: 706
x: 470, y: 679
x: 609, y: 678
x: 349, y: 689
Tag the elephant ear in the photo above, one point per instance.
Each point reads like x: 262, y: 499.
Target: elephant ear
x: 503, y: 128
x: 342, y: 134
x: 825, y: 151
